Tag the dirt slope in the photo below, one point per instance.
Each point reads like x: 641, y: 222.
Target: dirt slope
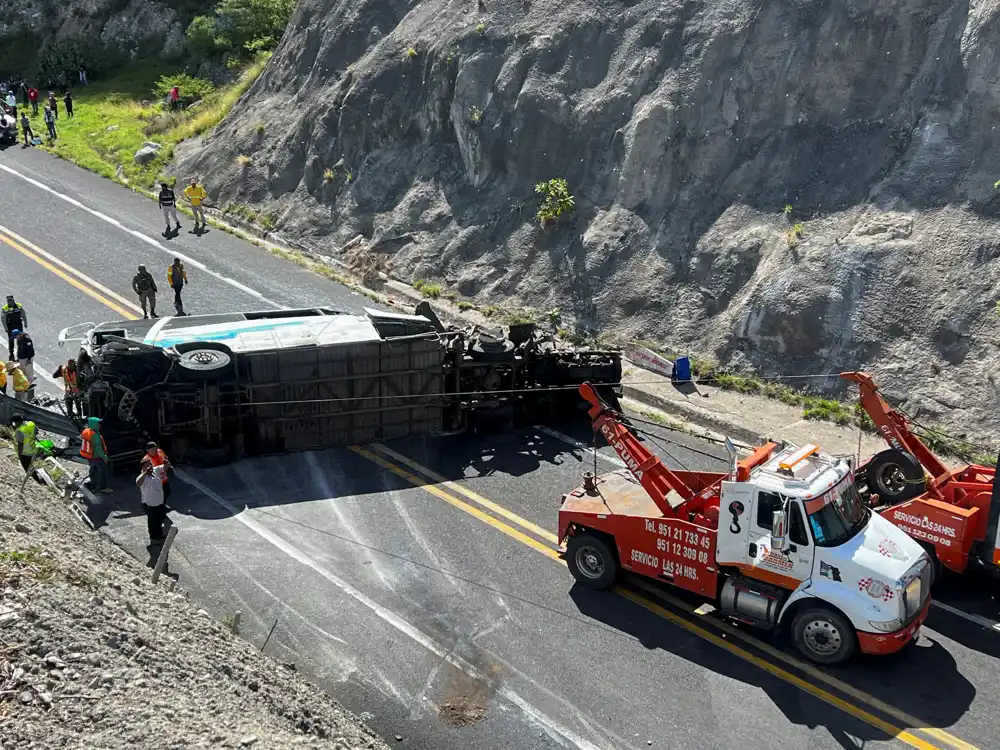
x: 684, y: 129
x: 93, y: 655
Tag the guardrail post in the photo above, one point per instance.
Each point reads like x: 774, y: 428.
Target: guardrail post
x: 161, y: 561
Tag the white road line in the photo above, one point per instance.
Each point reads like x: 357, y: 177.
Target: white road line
x: 555, y: 731
x: 191, y: 262
x: 69, y: 269
x: 978, y: 619
x: 579, y: 445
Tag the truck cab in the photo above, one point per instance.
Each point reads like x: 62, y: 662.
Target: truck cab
x: 808, y: 536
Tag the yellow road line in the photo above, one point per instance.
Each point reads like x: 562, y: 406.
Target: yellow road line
x: 816, y: 674
x: 67, y: 278
x: 461, y: 505
x: 897, y: 732
x: 900, y: 734
x: 524, y: 523
x: 70, y: 269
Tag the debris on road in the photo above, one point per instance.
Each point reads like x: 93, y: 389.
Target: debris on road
x: 90, y: 648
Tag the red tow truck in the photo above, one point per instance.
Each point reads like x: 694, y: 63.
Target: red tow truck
x: 783, y: 539
x: 953, y: 513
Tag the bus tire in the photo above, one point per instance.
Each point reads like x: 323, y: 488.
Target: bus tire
x: 592, y: 562
x: 823, y: 635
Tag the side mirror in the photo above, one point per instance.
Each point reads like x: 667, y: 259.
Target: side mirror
x: 779, y: 526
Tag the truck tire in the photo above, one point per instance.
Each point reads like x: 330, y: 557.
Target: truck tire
x: 823, y: 635
x: 591, y: 561
x: 895, y: 476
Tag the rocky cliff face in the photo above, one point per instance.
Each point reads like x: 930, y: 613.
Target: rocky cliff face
x: 130, y: 28
x: 684, y: 128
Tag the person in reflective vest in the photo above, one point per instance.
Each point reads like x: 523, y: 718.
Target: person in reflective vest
x: 95, y: 450
x: 176, y: 279
x: 25, y: 433
x: 21, y: 385
x: 71, y: 377
x: 3, y: 378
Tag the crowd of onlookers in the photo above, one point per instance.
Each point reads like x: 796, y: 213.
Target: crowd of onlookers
x: 18, y: 92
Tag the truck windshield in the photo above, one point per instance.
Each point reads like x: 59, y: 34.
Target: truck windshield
x: 837, y: 515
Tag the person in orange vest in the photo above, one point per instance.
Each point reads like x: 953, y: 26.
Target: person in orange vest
x: 95, y: 450
x: 155, y: 454
x: 3, y: 378
x: 71, y: 375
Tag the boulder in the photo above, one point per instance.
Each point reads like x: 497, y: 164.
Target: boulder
x: 145, y: 155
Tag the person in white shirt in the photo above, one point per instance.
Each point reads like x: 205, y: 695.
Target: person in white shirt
x: 150, y: 484
x: 12, y: 103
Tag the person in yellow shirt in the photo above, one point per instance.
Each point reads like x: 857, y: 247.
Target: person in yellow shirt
x: 3, y: 378
x: 196, y: 195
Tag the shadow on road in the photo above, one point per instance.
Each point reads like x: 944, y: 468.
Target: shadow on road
x: 910, y: 681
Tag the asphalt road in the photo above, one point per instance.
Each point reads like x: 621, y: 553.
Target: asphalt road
x: 417, y: 581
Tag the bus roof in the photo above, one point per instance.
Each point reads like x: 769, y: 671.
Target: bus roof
x: 259, y: 331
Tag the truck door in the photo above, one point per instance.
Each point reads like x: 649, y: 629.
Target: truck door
x: 735, y: 505
x: 786, y: 569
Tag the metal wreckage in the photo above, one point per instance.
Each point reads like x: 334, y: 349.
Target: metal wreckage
x: 214, y: 388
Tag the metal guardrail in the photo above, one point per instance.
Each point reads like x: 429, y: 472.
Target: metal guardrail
x: 49, y: 421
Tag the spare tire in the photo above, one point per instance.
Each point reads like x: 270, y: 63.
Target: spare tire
x: 895, y: 476
x: 204, y: 360
x: 489, y: 349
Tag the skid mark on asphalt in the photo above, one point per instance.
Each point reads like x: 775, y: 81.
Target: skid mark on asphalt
x: 335, y: 503
x: 173, y: 253
x: 553, y: 729
x: 893, y: 731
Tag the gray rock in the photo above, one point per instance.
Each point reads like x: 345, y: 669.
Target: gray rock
x: 248, y: 740
x: 682, y: 132
x: 22, y: 527
x: 145, y: 155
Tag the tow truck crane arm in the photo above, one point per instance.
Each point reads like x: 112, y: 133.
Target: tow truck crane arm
x: 892, y: 425
x: 649, y: 470
x: 696, y: 489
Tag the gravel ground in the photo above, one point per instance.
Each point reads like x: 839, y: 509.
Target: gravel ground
x: 92, y: 654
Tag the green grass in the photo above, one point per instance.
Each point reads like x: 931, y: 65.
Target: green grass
x: 426, y: 288
x: 465, y: 305
x: 111, y: 122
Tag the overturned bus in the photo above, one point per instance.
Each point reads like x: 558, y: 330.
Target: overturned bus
x: 213, y: 388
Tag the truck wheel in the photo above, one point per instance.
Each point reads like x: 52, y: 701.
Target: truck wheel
x: 591, y: 561
x: 823, y: 636
x: 895, y: 476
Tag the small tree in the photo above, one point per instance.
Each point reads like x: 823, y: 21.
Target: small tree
x: 556, y: 200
